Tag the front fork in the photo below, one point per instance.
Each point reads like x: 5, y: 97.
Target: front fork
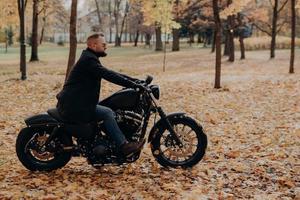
x: 169, y: 126
x: 164, y: 119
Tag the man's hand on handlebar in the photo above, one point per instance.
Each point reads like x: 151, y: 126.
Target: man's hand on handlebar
x: 140, y: 82
x: 140, y: 87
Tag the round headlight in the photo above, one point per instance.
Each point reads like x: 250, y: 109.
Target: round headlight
x: 155, y: 91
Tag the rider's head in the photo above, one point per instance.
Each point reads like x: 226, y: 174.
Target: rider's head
x: 97, y: 43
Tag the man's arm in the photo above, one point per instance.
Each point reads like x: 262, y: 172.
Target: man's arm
x: 128, y: 77
x: 99, y: 71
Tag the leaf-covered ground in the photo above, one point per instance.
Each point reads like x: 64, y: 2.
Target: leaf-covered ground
x: 252, y: 124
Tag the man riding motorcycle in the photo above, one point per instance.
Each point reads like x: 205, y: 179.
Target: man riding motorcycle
x: 78, y: 100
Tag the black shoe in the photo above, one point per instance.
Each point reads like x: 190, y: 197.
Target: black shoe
x: 130, y: 148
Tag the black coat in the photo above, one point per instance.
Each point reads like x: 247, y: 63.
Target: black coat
x: 80, y: 94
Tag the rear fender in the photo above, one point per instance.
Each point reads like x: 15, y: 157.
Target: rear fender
x: 159, y: 125
x: 54, y: 131
x: 41, y: 120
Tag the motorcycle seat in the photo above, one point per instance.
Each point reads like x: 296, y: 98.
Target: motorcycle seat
x: 53, y: 112
x: 76, y: 129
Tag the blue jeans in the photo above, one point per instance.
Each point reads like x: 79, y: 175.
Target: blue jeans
x: 110, y: 123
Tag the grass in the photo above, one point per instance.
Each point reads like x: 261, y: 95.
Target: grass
x: 53, y: 56
x: 264, y: 43
x: 141, y: 59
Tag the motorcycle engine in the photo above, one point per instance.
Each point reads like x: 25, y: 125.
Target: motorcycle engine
x: 129, y: 123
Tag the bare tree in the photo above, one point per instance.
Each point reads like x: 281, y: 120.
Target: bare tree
x: 175, y: 32
x: 158, y: 41
x: 276, y: 11
x: 123, y: 22
x: 274, y: 25
x: 34, y: 36
x: 43, y: 25
x: 293, y: 35
x: 110, y: 21
x: 99, y: 15
x: 137, y: 35
x: 116, y: 15
x: 229, y: 37
x: 73, y: 38
x: 273, y: 28
x: 241, y: 36
x: 21, y: 10
x: 217, y: 43
x: 50, y: 10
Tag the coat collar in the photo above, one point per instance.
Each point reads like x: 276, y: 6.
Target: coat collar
x: 89, y: 53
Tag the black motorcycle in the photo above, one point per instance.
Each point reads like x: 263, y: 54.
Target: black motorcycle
x: 48, y: 142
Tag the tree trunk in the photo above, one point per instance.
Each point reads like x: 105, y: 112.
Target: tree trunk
x: 73, y: 39
x: 274, y: 29
x: 147, y: 39
x: 175, y: 45
x: 158, y: 43
x: 241, y: 37
x: 116, y: 15
x: 126, y: 32
x: 231, y: 38
x: 192, y: 37
x: 293, y: 35
x: 213, y: 47
x: 42, y: 35
x: 199, y: 38
x: 21, y: 9
x: 110, y: 22
x: 6, y: 41
x: 110, y: 34
x: 176, y: 36
x: 98, y: 15
x: 230, y: 22
x: 136, y: 40
x: 43, y: 30
x: 218, y: 44
x: 34, y: 37
x: 226, y: 45
x: 123, y: 23
x: 191, y: 40
x: 242, y: 47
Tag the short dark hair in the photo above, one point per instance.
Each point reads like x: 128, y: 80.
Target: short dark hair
x: 95, y: 36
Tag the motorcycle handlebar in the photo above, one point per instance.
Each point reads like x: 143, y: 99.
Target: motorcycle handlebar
x: 142, y: 85
x: 147, y: 81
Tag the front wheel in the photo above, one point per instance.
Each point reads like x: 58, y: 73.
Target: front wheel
x: 192, y: 137
x: 31, y: 154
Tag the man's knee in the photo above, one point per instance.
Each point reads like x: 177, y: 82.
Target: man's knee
x: 108, y: 113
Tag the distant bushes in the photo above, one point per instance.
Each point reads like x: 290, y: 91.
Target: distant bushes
x: 264, y: 43
x: 60, y: 43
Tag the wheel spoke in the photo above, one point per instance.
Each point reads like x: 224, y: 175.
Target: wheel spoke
x: 183, y: 128
x: 189, y: 138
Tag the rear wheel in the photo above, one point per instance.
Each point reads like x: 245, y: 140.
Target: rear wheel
x: 194, y: 142
x: 31, y: 154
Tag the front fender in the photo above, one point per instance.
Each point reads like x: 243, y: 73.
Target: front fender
x: 159, y: 125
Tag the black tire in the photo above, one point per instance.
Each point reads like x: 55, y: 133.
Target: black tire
x: 30, y: 161
x: 197, y: 155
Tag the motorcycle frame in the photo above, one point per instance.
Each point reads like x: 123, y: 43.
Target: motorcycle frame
x: 153, y: 107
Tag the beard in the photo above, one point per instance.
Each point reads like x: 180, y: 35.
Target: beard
x: 101, y: 54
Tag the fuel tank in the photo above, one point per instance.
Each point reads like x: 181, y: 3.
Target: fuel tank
x: 125, y: 99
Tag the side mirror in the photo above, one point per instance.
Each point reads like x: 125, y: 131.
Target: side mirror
x: 148, y: 79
